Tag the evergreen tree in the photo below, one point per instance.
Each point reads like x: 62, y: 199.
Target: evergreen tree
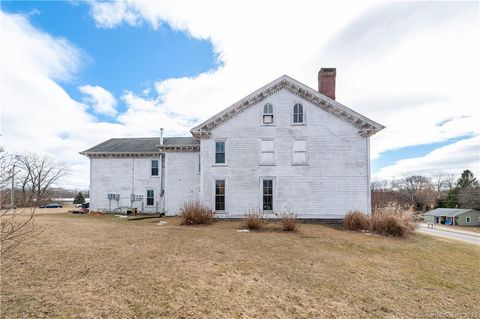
x: 463, y: 195
x: 79, y: 199
x: 467, y: 180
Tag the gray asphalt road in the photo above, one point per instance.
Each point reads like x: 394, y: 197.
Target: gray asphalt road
x: 473, y: 239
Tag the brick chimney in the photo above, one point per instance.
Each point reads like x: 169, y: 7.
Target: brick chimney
x: 326, y: 81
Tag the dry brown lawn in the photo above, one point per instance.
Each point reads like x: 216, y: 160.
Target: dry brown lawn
x: 107, y: 267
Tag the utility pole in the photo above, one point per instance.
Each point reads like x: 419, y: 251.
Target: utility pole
x: 12, y: 192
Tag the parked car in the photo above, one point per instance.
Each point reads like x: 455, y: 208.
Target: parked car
x: 51, y: 205
x: 85, y: 208
x: 82, y: 209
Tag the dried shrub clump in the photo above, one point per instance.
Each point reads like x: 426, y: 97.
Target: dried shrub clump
x: 387, y: 221
x: 253, y: 221
x: 392, y: 221
x: 196, y: 213
x: 356, y: 221
x: 288, y: 221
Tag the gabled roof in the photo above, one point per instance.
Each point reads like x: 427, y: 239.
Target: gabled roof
x: 366, y: 126
x: 140, y: 146
x: 447, y: 212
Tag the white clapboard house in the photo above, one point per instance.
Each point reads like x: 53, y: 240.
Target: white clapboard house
x: 284, y: 148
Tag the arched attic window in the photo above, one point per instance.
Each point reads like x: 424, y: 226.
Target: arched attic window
x: 298, y: 115
x: 268, y: 114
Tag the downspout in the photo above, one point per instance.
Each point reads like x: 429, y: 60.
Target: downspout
x: 132, y: 194
x: 162, y: 174
x: 369, y: 192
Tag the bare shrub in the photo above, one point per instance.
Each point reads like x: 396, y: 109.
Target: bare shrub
x: 253, y: 220
x: 195, y: 213
x: 392, y: 221
x: 17, y: 228
x: 288, y: 221
x: 356, y: 220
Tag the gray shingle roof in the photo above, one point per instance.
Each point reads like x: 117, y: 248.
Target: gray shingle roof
x: 140, y: 145
x: 448, y: 212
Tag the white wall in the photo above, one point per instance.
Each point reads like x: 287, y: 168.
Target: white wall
x: 335, y: 180
x: 182, y: 180
x: 122, y: 176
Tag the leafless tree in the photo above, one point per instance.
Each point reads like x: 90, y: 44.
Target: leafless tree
x: 38, y: 175
x: 469, y: 197
x: 6, y: 170
x: 443, y: 182
x: 17, y: 227
x: 385, y: 193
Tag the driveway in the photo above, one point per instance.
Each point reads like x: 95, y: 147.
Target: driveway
x: 462, y: 236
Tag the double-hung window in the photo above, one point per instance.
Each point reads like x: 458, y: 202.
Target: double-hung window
x: 220, y: 194
x: 267, y: 149
x: 150, y: 197
x: 154, y: 168
x: 220, y: 152
x: 299, y: 151
x: 298, y: 115
x: 267, y: 192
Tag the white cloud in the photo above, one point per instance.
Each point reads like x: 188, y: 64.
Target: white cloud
x: 37, y: 114
x: 407, y: 65
x: 110, y: 14
x: 452, y: 159
x: 101, y: 100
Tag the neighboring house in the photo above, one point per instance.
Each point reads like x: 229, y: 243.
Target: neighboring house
x: 453, y: 216
x: 285, y: 147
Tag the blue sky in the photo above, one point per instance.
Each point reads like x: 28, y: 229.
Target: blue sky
x: 122, y: 58
x: 155, y: 63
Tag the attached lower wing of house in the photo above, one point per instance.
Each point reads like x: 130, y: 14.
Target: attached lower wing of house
x: 284, y: 148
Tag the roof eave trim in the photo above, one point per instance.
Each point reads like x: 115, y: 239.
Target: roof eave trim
x: 367, y: 127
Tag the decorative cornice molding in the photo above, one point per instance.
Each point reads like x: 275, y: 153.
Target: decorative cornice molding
x: 120, y: 154
x: 365, y: 129
x: 162, y: 148
x: 179, y: 148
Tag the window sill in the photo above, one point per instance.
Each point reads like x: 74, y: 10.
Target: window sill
x: 267, y: 164
x: 219, y: 165
x: 220, y: 212
x: 299, y: 164
x: 154, y: 176
x: 263, y: 124
x: 299, y: 124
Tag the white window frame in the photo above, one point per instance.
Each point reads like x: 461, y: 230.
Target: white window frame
x: 263, y: 114
x: 215, y: 152
x: 273, y: 152
x: 293, y: 151
x: 293, y: 114
x: 468, y: 219
x: 146, y: 197
x: 215, y: 179
x: 274, y: 191
x: 151, y: 168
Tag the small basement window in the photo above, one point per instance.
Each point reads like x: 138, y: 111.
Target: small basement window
x: 268, y: 114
